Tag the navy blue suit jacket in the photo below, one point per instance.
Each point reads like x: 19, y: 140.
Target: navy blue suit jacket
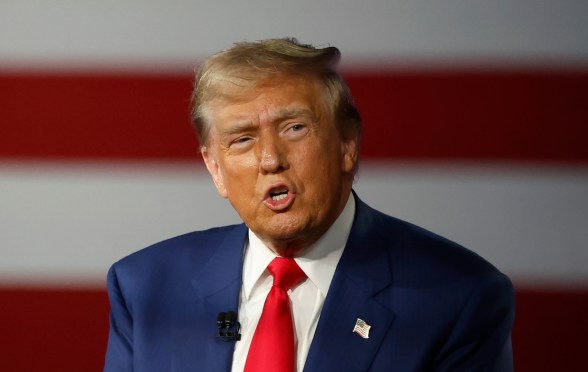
x: 432, y: 305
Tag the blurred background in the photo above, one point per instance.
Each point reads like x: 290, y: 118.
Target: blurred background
x: 475, y: 115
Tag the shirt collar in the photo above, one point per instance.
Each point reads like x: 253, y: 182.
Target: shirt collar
x: 318, y: 262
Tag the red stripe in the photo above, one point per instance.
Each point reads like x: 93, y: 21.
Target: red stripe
x: 488, y: 116
x: 96, y: 116
x: 550, y: 330
x: 66, y: 330
x: 452, y: 115
x: 53, y: 330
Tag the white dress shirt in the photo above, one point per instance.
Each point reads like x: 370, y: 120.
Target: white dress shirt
x: 318, y: 263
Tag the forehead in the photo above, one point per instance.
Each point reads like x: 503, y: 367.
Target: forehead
x: 278, y: 96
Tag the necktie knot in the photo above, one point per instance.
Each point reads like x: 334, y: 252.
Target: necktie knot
x: 286, y: 272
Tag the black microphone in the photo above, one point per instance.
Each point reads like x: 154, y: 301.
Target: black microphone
x: 228, y: 326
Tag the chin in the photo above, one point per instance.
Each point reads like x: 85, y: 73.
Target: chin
x: 281, y: 233
x: 280, y: 228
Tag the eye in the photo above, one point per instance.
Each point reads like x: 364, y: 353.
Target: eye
x: 241, y: 143
x: 297, y: 127
x: 242, y: 140
x: 296, y: 130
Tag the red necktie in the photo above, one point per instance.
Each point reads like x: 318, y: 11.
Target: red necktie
x: 272, y: 347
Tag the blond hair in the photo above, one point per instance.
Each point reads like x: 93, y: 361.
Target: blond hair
x: 232, y: 73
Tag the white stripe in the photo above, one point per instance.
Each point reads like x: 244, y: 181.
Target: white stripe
x: 65, y: 224
x: 530, y: 221
x: 175, y: 33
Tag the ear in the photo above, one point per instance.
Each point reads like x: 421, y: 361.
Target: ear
x: 214, y: 170
x: 349, y: 152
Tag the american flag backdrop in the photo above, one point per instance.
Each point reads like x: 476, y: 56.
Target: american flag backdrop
x: 475, y: 127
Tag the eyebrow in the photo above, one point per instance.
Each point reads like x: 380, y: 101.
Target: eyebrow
x: 239, y: 127
x: 290, y: 113
x: 282, y: 114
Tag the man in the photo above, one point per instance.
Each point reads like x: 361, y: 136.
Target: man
x: 279, y: 134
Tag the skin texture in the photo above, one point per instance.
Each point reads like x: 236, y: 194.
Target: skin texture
x: 280, y: 138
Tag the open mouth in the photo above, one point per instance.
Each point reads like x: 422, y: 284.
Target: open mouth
x: 278, y: 195
x: 279, y: 198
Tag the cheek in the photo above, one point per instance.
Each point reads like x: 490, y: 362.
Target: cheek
x: 316, y: 173
x: 239, y: 173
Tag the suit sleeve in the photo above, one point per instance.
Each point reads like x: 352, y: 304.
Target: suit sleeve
x: 119, y: 352
x: 480, y: 339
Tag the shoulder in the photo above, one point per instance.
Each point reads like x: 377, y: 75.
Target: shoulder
x: 198, y: 243
x: 419, y: 257
x: 180, y: 254
x: 444, y: 295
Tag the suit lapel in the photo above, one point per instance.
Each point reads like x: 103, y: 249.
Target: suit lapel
x: 214, y: 288
x: 223, y: 271
x: 362, y: 272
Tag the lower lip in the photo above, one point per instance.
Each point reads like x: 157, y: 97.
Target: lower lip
x: 279, y: 205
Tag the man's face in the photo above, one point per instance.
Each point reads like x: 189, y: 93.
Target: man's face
x: 279, y: 159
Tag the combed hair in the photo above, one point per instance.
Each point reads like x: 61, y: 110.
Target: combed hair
x: 232, y: 73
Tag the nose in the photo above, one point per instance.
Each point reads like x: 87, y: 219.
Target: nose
x: 271, y: 154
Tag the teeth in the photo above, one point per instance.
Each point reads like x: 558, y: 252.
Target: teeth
x: 279, y: 197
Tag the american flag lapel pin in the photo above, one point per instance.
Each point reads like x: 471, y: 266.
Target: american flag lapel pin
x: 362, y: 328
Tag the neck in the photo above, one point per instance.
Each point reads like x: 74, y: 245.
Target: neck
x: 291, y: 248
